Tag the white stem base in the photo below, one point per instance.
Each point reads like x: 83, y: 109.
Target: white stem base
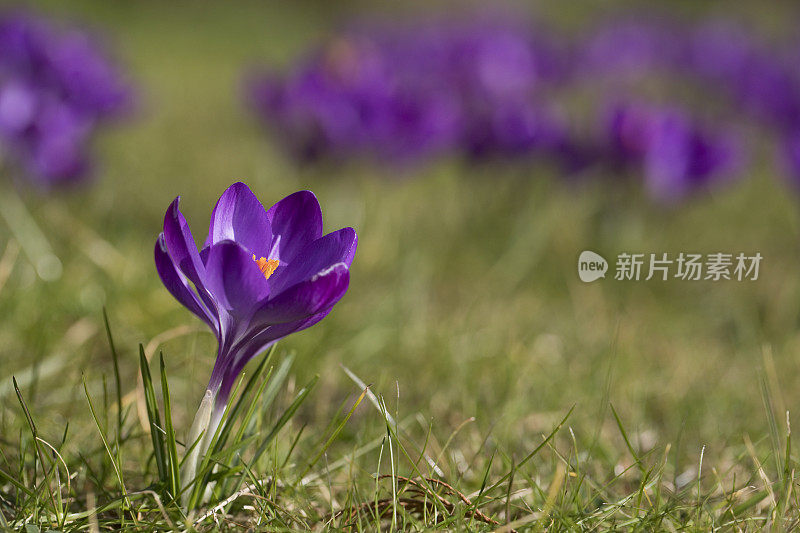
x: 200, y: 430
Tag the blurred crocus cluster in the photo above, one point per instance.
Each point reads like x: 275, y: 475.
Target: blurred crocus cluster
x: 665, y: 101
x: 750, y: 84
x: 404, y: 93
x: 56, y: 86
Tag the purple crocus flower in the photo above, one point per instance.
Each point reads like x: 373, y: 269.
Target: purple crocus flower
x: 56, y: 86
x: 674, y: 153
x: 260, y: 275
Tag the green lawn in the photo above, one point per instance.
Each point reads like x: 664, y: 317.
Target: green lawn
x: 465, y: 314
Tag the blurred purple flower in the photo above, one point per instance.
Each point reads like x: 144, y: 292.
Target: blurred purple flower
x: 675, y: 155
x: 348, y: 101
x: 260, y: 276
x: 514, y: 128
x: 759, y: 78
x: 404, y: 93
x: 55, y: 87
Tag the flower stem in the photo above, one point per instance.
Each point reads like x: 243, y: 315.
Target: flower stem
x: 197, y: 443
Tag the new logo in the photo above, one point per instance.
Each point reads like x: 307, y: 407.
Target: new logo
x: 591, y: 266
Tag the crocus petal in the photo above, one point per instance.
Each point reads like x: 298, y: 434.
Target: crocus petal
x: 239, y: 216
x: 306, y: 298
x: 297, y: 221
x: 263, y: 340
x: 280, y: 331
x: 335, y: 247
x: 181, y: 245
x: 177, y: 284
x: 234, y: 279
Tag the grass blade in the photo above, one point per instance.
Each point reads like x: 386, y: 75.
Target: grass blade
x: 117, y: 470
x: 35, y: 434
x: 117, y: 380
x: 174, y: 476
x: 627, y: 440
x: 154, y: 418
x: 335, y: 432
x: 285, y: 417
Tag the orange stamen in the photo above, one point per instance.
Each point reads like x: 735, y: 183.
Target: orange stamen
x: 266, y: 266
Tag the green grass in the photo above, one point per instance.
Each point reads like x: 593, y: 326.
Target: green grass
x: 503, y: 392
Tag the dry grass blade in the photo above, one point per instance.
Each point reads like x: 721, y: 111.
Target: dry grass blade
x: 8, y: 261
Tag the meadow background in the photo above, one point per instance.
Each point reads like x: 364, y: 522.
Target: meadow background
x: 465, y: 311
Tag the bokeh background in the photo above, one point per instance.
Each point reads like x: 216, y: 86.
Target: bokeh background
x: 464, y: 300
